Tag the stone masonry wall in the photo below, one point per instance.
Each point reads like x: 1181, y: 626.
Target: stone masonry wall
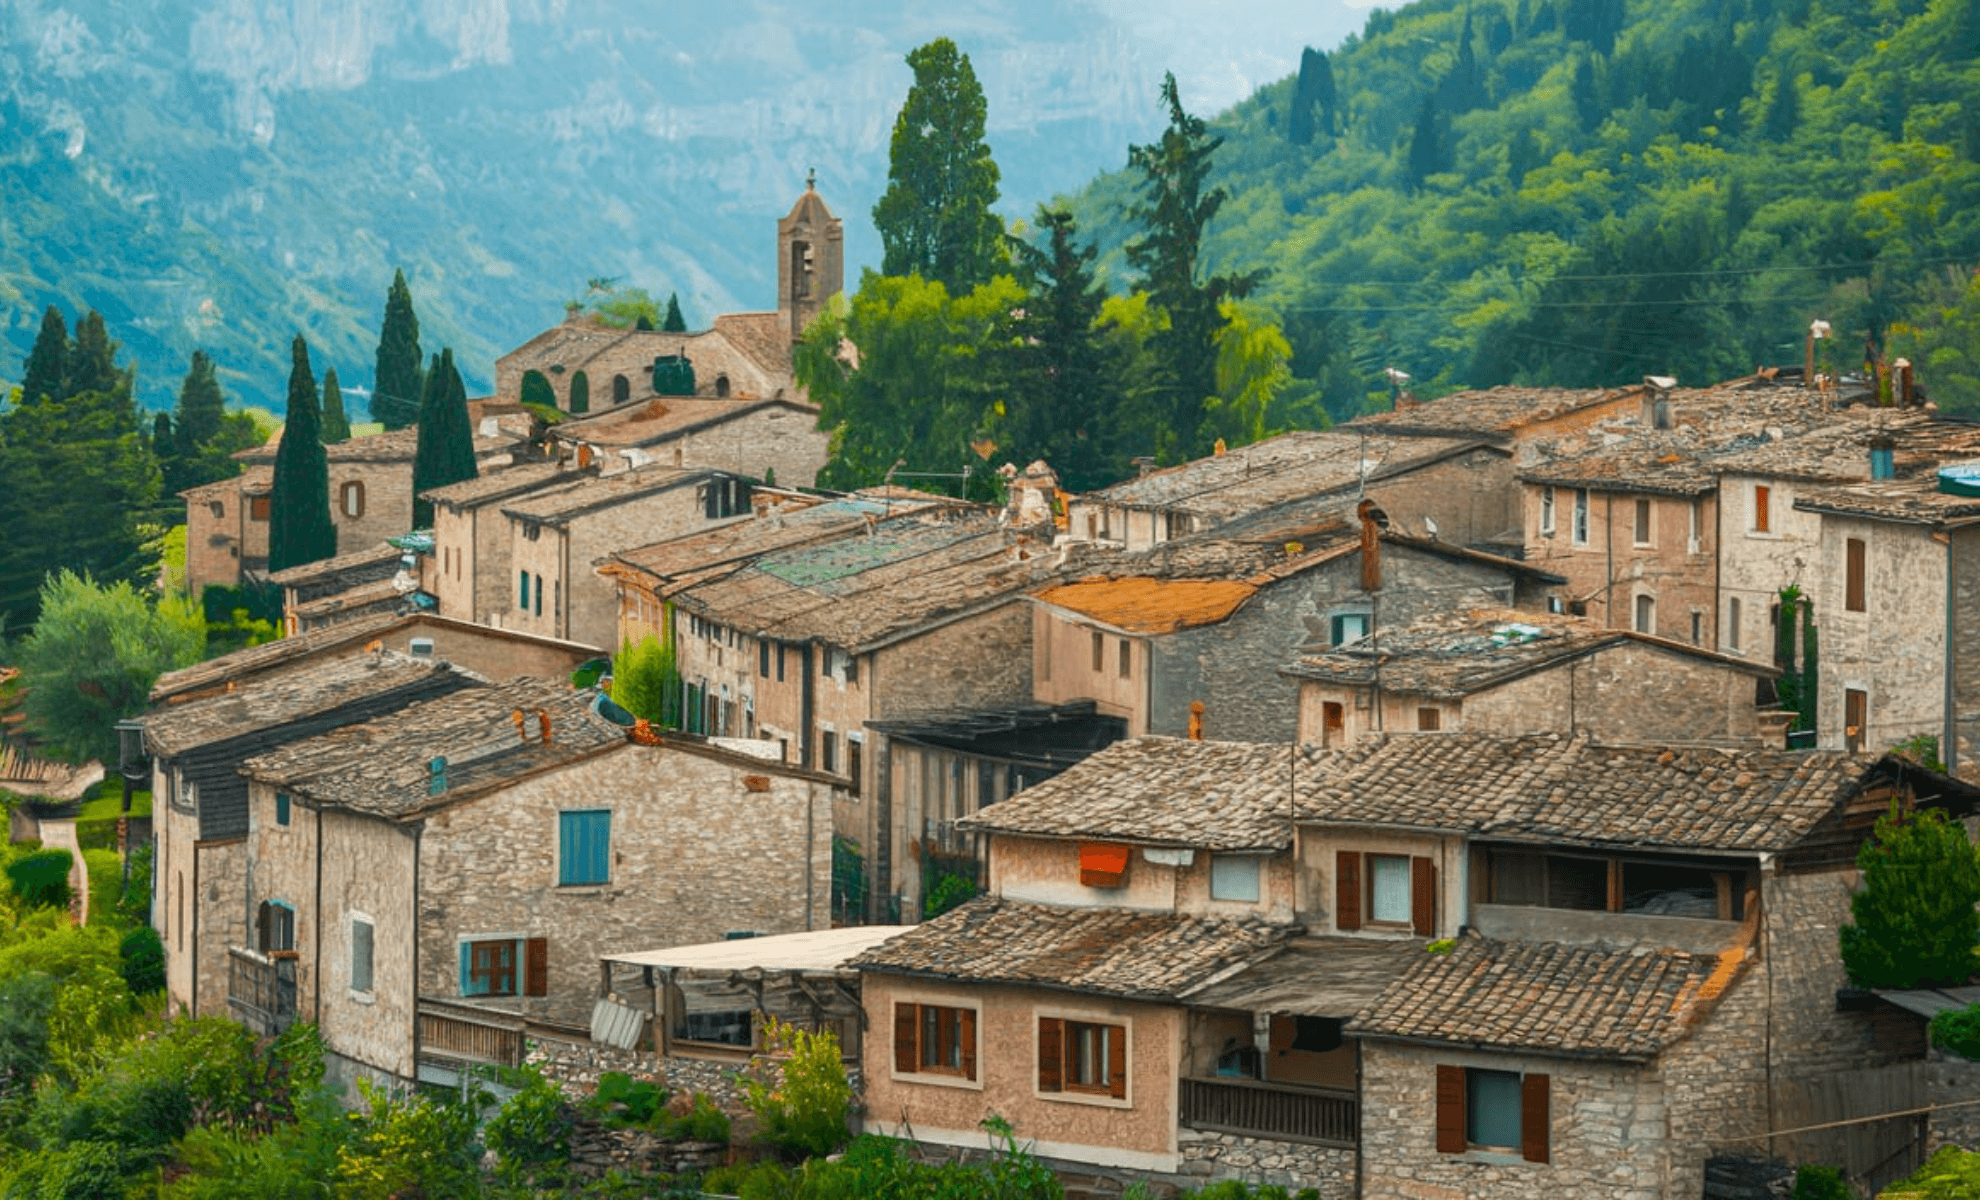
x: 1904, y: 589
x: 1209, y: 1157
x: 1628, y: 692
x: 1965, y: 634
x: 1801, y: 914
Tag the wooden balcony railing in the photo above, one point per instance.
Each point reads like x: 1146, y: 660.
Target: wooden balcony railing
x: 469, y: 1036
x: 1323, y: 1116
x: 261, y: 989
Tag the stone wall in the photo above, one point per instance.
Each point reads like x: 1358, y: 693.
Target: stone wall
x: 387, y: 501
x: 216, y: 536
x: 773, y: 441
x: 1801, y: 913
x: 1677, y: 568
x: 1904, y: 589
x: 1953, y: 1080
x: 1964, y: 550
x: 1209, y: 1157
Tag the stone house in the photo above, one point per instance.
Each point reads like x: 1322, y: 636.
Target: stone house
x: 481, y: 853
x: 305, y: 585
x: 1458, y: 489
x: 468, y: 572
x: 775, y: 441
x: 1638, y: 952
x: 1190, y: 637
x: 557, y: 534
x: 197, y: 740
x: 742, y: 356
x: 1510, y: 672
x: 227, y: 529
x: 481, y: 649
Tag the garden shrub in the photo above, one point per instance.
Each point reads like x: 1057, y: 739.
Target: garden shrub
x: 1822, y: 1183
x: 1957, y: 1031
x: 798, y: 1091
x: 531, y: 1133
x: 621, y: 1100
x: 41, y: 878
x: 136, y: 902
x: 142, y: 960
x: 1951, y: 1174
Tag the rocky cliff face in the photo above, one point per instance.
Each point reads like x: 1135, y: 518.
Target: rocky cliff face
x: 220, y: 173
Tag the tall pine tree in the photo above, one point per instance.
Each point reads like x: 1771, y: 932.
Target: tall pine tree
x: 675, y: 322
x: 1174, y: 208
x: 336, y: 426
x: 396, y: 386
x: 446, y: 437
x: 48, y: 362
x: 300, y: 530
x: 1061, y: 392
x: 935, y: 220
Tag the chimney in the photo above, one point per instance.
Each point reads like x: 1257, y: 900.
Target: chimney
x: 1373, y: 521
x: 1901, y: 381
x: 1196, y: 720
x: 1657, y: 401
x: 543, y: 724
x: 436, y: 782
x: 1143, y: 464
x: 1031, y: 494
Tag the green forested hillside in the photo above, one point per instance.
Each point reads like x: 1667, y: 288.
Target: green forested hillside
x: 1583, y: 192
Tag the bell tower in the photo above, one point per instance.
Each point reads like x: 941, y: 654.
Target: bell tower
x: 811, y: 263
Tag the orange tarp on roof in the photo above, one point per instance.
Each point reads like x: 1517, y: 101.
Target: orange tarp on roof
x: 1140, y: 604
x: 1108, y: 860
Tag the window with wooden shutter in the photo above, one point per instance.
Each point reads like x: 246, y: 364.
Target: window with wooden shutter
x: 1535, y: 1119
x: 536, y: 967
x: 1451, y: 1137
x: 966, y: 1032
x: 584, y: 855
x: 1853, y: 598
x: 934, y: 1039
x: 1051, y: 1054
x: 1423, y: 896
x: 1117, y: 1061
x: 907, y: 1023
x: 1347, y: 889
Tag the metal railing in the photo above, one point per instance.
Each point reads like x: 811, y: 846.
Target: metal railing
x: 1283, y: 1112
x: 261, y: 988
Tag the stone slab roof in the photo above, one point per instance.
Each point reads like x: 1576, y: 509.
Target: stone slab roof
x: 1546, y: 998
x: 762, y: 336
x: 500, y: 484
x: 1559, y: 790
x: 559, y: 504
x: 393, y: 445
x: 1314, y: 977
x: 864, y: 590
x: 714, y: 552
x: 1915, y: 501
x: 279, y: 699
x: 384, y: 767
x: 1159, y: 791
x: 1453, y: 655
x: 1279, y: 470
x: 1839, y: 451
x: 1489, y: 412
x: 252, y: 660
x: 665, y: 418
x: 370, y: 556
x: 254, y: 480
x: 1104, y: 951
x: 366, y: 597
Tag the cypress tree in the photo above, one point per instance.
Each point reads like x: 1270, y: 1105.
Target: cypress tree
x: 93, y: 366
x: 935, y: 220
x: 396, y: 385
x: 47, y: 372
x: 299, y: 529
x: 201, y: 408
x: 446, y: 437
x: 336, y: 426
x: 675, y: 322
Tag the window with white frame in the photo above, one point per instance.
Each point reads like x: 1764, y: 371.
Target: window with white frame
x: 1547, y: 512
x: 1388, y: 888
x: 1580, y: 532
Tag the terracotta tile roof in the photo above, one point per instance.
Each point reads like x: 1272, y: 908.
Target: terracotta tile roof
x: 370, y: 556
x: 664, y: 418
x: 1911, y: 501
x: 1453, y: 655
x: 1551, y: 788
x: 1497, y: 411
x: 278, y: 699
x: 384, y: 767
x: 1103, y: 951
x: 1576, y: 1001
x: 862, y: 590
x: 253, y: 480
x: 501, y: 484
x: 1280, y: 470
x: 1159, y: 791
x: 394, y: 445
x: 557, y: 504
x: 1139, y: 604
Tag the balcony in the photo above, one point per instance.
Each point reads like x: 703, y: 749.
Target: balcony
x: 462, y: 1034
x: 261, y: 989
x: 1275, y: 1111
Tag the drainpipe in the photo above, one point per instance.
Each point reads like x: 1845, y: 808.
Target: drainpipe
x: 316, y: 971
x: 1949, y: 737
x: 1609, y: 563
x: 413, y: 915
x: 807, y: 705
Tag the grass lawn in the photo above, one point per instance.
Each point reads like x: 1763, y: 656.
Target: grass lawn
x: 110, y: 804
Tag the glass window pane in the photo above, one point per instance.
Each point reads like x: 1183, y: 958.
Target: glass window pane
x: 1233, y: 877
x: 1388, y: 885
x: 1581, y: 883
x: 1491, y: 1109
x: 1663, y: 889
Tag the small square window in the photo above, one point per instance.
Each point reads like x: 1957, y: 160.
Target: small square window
x: 1234, y: 877
x: 1349, y: 627
x: 1388, y: 889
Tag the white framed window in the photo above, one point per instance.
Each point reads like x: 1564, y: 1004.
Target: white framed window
x: 1547, y: 512
x: 1388, y: 889
x: 1580, y: 532
x: 1234, y: 877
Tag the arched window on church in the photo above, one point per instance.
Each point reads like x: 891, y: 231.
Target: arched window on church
x: 722, y: 386
x: 621, y: 389
x: 580, y: 393
x: 800, y: 270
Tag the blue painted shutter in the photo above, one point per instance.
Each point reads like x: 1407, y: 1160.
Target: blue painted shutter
x: 586, y: 840
x: 468, y: 987
x: 281, y: 808
x: 523, y: 601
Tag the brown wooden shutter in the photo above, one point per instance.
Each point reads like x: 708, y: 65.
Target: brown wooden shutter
x: 1347, y: 889
x: 536, y: 967
x: 1117, y: 1062
x: 1451, y: 1137
x: 1535, y: 1122
x: 1280, y: 1039
x: 907, y: 1024
x: 966, y: 1018
x: 1051, y: 1054
x: 1423, y: 896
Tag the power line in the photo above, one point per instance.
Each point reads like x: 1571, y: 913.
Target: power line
x: 1463, y: 307
x: 1713, y: 272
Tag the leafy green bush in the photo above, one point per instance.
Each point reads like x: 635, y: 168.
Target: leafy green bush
x: 41, y: 878
x: 106, y: 885
x: 949, y: 891
x: 699, y: 1120
x: 79, y: 1171
x: 402, y: 1148
x: 1822, y: 1183
x: 142, y: 957
x: 1914, y: 920
x: 136, y: 901
x: 531, y: 1133
x: 798, y: 1091
x: 623, y: 1101
x: 1957, y: 1031
x: 1231, y: 1189
x: 1951, y: 1174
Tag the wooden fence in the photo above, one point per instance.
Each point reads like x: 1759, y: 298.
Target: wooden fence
x: 1873, y: 1153
x: 1324, y: 1116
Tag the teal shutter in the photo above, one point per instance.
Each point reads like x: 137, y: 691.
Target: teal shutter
x: 585, y: 847
x: 281, y: 808
x: 468, y: 987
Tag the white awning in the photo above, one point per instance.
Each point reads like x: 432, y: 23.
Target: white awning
x: 818, y: 950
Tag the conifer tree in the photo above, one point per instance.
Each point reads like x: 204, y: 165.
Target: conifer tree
x: 1062, y: 393
x: 446, y: 437
x: 1313, y: 101
x: 48, y: 362
x: 396, y: 386
x: 93, y: 366
x: 675, y: 322
x: 1913, y: 921
x: 935, y: 220
x: 336, y: 426
x: 201, y: 408
x: 300, y: 530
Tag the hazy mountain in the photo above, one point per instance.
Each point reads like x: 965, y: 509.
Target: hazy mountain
x: 220, y: 173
